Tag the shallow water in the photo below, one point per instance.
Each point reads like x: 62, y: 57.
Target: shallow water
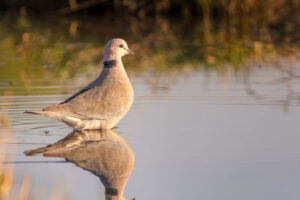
x: 196, y: 133
x: 199, y: 139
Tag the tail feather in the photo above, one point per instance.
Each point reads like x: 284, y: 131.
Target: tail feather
x: 35, y: 112
x: 60, y: 115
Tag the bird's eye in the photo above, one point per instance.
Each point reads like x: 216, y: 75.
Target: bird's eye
x: 121, y: 45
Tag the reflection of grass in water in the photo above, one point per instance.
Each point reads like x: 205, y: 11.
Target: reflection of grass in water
x: 56, y: 52
x: 9, y: 188
x: 6, y: 171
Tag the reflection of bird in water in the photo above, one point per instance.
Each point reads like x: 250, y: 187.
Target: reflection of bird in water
x: 102, y: 103
x: 104, y: 153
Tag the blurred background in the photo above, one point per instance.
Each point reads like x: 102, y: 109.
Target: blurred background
x: 216, y: 93
x: 165, y: 34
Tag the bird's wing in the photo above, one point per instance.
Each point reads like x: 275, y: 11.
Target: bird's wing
x: 86, y: 88
x: 100, y: 101
x: 73, y: 96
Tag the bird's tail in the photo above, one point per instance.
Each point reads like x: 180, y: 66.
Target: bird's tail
x: 35, y: 112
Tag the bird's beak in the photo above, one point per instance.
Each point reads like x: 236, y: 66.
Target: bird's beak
x: 130, y: 52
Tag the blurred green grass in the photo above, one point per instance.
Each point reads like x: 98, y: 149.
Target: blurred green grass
x: 53, y: 50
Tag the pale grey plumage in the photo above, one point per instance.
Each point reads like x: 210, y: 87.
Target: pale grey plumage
x: 102, y: 103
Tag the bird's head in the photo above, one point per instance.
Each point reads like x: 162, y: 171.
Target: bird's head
x: 116, y: 48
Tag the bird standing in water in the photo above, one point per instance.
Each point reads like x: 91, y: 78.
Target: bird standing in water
x: 102, y: 103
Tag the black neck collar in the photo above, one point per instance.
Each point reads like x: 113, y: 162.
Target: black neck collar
x: 111, y: 191
x: 109, y: 63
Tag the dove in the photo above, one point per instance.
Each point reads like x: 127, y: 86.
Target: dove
x: 103, y: 102
x: 103, y: 152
